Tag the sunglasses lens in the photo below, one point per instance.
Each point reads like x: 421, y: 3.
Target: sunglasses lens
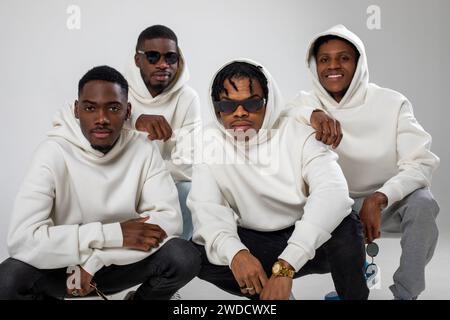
x: 225, y: 106
x: 171, y: 57
x: 153, y: 56
x: 253, y: 105
x: 230, y: 106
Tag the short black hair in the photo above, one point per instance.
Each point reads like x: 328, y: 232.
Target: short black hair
x: 154, y: 32
x: 238, y: 70
x: 104, y: 73
x: 324, y: 39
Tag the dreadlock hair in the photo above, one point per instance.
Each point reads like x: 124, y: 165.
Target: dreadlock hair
x: 104, y: 73
x: 324, y: 39
x: 154, y: 32
x: 238, y: 70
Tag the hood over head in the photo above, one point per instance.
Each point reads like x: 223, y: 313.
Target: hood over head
x: 356, y: 93
x: 274, y: 105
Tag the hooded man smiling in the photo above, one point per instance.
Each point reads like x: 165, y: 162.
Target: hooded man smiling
x: 384, y: 154
x: 269, y: 202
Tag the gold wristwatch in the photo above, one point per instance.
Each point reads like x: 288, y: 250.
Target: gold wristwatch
x: 280, y: 270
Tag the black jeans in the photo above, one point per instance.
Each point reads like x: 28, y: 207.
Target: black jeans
x: 343, y: 255
x: 175, y: 264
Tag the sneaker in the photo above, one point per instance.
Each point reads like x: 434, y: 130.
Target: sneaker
x: 332, y: 296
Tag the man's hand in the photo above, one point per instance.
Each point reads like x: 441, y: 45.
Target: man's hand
x: 328, y: 130
x: 370, y: 215
x: 142, y: 236
x: 156, y: 126
x: 85, y: 287
x: 277, y: 288
x: 248, y: 272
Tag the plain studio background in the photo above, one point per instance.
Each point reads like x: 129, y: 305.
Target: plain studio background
x: 41, y: 61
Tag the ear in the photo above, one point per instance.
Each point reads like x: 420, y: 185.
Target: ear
x: 128, y: 116
x: 137, y: 60
x: 76, y: 110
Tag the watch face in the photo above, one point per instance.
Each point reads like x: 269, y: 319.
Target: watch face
x: 276, y: 268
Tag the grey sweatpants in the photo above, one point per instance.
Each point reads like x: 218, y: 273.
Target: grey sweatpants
x: 414, y: 217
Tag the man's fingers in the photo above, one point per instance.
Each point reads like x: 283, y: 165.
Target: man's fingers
x: 325, y: 132
x: 319, y: 132
x: 339, y: 134
x: 166, y: 129
x: 158, y: 131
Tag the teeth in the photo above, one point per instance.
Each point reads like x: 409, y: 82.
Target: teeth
x: 333, y: 76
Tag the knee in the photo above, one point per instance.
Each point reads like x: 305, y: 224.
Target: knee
x: 347, y: 239
x: 182, y: 257
x: 14, y: 278
x: 422, y: 206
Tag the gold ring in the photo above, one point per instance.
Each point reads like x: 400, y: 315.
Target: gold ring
x: 75, y: 293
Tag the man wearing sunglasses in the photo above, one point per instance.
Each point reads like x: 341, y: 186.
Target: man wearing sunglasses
x: 386, y: 155
x: 99, y: 198
x: 269, y: 202
x: 164, y: 107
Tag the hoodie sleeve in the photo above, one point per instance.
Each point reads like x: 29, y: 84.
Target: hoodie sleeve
x: 214, y: 223
x: 327, y: 205
x: 159, y: 200
x: 33, y: 238
x: 416, y: 162
x: 182, y: 154
x: 302, y: 107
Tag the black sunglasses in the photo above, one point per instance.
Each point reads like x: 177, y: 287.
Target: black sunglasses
x: 230, y: 106
x: 154, y: 56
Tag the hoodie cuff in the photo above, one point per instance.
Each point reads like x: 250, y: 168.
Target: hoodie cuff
x: 230, y: 247
x: 392, y: 193
x: 295, y: 256
x: 93, y: 264
x: 112, y: 234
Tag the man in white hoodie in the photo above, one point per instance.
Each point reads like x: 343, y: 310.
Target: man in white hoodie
x: 385, y: 153
x: 164, y: 106
x: 97, y: 196
x: 269, y: 202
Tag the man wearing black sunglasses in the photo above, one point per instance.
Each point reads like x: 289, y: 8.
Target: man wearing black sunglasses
x: 269, y: 201
x: 164, y: 107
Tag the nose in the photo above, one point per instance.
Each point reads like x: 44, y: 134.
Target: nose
x: 240, y: 112
x: 334, y: 64
x: 161, y: 63
x: 102, y: 117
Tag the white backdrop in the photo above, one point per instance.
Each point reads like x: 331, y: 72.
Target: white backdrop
x: 41, y: 59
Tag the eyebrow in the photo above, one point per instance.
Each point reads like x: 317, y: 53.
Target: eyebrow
x: 95, y: 103
x: 326, y: 53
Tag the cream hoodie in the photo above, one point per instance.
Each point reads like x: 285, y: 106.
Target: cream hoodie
x: 384, y: 148
x: 278, y: 179
x: 68, y: 209
x: 180, y: 106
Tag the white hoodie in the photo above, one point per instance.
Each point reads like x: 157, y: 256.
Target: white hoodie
x: 68, y: 209
x: 180, y: 106
x: 384, y: 148
x: 276, y: 180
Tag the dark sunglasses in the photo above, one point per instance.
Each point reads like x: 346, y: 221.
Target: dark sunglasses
x: 230, y: 106
x: 154, y: 56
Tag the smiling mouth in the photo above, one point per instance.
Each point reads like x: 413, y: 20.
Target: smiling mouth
x: 334, y: 76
